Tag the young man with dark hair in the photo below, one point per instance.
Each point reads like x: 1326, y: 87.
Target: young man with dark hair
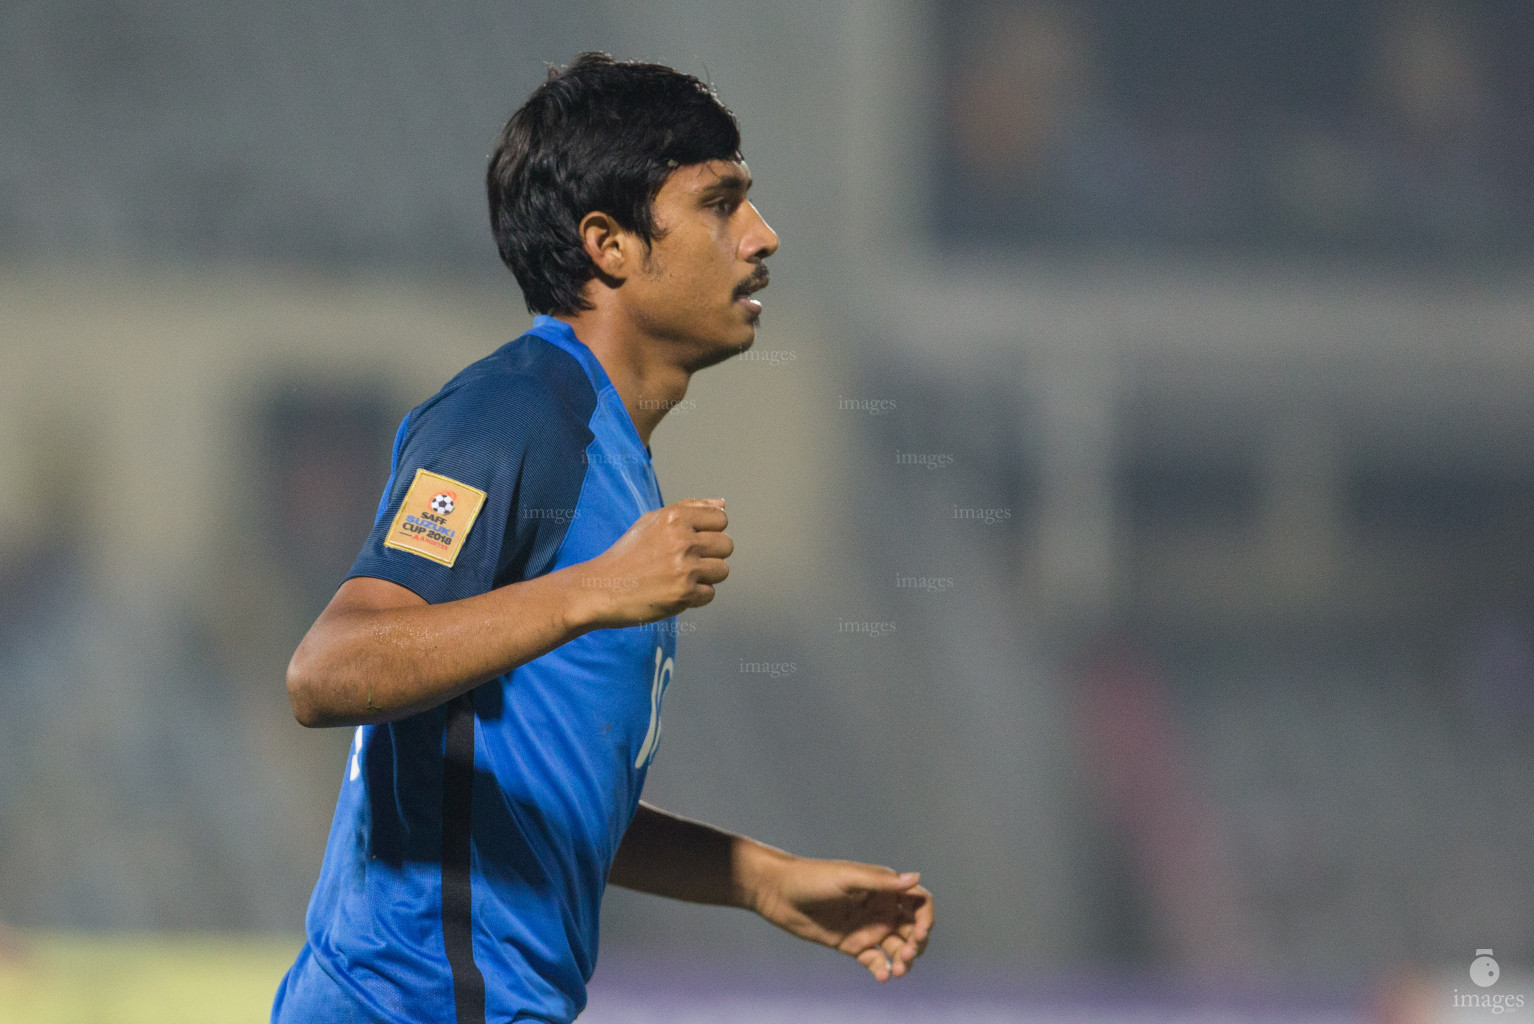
x: 504, y: 641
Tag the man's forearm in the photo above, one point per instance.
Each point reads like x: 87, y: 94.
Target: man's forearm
x: 379, y: 652
x: 666, y: 855
x: 362, y: 663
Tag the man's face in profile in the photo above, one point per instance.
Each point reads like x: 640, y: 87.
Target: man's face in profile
x: 705, y: 260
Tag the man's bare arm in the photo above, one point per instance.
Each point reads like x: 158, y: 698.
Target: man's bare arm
x: 871, y: 913
x: 379, y: 652
x: 666, y: 855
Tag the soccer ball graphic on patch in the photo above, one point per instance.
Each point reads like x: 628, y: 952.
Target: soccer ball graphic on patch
x: 442, y: 504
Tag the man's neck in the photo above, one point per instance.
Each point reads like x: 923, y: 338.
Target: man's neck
x: 647, y: 382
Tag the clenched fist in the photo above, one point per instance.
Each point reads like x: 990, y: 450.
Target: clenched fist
x: 667, y: 562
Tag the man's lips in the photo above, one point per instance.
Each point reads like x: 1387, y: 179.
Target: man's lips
x: 755, y: 283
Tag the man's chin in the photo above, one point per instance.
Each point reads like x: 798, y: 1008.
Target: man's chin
x: 743, y: 336
x: 717, y: 355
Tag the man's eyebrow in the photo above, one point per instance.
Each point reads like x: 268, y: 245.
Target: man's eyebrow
x: 727, y: 184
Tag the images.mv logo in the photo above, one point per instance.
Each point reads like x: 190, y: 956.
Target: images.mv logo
x: 1485, y: 972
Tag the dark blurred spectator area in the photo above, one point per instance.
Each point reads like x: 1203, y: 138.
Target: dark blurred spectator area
x: 321, y: 464
x: 1396, y: 129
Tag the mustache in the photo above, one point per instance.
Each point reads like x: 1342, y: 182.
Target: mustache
x: 756, y: 282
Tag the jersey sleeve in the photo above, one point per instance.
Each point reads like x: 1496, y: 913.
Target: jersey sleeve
x: 479, y: 476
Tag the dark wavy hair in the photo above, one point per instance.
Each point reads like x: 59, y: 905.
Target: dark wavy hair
x: 600, y: 135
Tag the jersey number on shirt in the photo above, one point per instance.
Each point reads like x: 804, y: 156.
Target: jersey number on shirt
x: 657, y: 690
x: 357, y: 754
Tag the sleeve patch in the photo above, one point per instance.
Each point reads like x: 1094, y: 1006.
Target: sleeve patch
x: 435, y: 517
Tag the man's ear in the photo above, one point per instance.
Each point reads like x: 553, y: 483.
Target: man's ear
x: 608, y: 245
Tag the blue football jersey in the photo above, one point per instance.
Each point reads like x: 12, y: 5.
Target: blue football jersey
x: 471, y: 843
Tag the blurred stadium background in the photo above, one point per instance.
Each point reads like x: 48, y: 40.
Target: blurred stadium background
x: 1133, y: 484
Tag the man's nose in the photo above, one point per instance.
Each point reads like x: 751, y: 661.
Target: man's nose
x: 760, y: 240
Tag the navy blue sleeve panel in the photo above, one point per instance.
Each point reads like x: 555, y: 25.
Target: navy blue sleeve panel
x: 513, y: 425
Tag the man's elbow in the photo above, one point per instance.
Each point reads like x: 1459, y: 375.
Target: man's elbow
x: 304, y: 692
